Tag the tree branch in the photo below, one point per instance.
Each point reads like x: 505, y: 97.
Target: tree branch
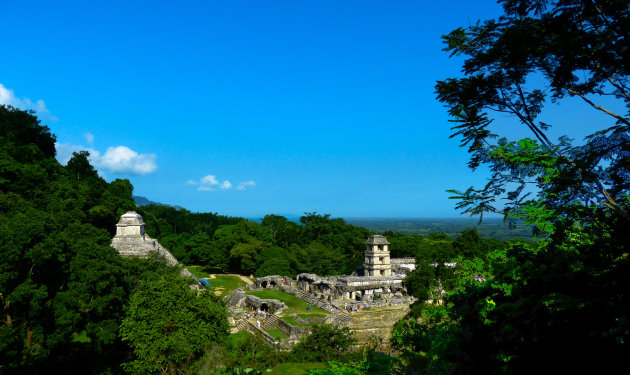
x: 621, y: 119
x: 619, y: 87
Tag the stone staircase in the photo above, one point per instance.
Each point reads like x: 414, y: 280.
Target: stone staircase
x: 244, y: 325
x: 339, y: 319
x: 241, y: 325
x: 271, y: 321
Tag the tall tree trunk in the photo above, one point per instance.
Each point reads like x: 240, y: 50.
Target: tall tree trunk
x: 29, y: 343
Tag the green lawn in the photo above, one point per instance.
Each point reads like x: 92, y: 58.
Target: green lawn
x: 294, y: 304
x: 297, y: 368
x: 306, y: 316
x: 277, y: 334
x: 225, y: 284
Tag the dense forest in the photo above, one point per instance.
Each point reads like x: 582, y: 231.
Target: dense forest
x: 318, y: 244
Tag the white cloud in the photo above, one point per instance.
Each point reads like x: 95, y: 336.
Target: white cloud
x: 245, y: 185
x: 89, y: 137
x: 209, y: 180
x: 8, y: 97
x: 124, y: 160
x: 120, y: 160
x: 210, y: 183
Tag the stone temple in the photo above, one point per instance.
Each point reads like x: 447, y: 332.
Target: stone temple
x: 131, y: 240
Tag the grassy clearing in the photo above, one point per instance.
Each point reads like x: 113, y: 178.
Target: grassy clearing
x: 297, y: 368
x: 277, y: 334
x: 306, y: 316
x: 294, y: 304
x: 225, y: 284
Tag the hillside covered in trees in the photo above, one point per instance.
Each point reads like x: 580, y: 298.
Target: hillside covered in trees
x: 71, y: 304
x: 63, y: 289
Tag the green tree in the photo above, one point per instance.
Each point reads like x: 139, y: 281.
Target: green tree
x: 244, y: 256
x: 322, y: 260
x: 470, y: 244
x: 49, y: 252
x: 540, y: 50
x: 344, y: 239
x: 169, y: 325
x: 274, y: 261
x: 80, y: 166
x: 323, y: 344
x: 561, y: 304
x: 404, y: 246
x: 282, y: 231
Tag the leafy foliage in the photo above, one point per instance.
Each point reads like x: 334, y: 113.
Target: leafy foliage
x: 277, y: 246
x: 242, y: 353
x: 169, y: 325
x: 561, y: 304
x: 325, y: 343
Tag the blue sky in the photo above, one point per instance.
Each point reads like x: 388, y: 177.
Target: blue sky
x: 249, y: 107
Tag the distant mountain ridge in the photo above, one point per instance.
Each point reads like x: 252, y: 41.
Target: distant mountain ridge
x: 143, y: 201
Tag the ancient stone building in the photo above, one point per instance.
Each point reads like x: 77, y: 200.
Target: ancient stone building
x: 381, y: 287
x: 131, y: 240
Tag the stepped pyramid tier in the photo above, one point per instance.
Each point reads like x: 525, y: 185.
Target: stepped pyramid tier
x: 131, y: 240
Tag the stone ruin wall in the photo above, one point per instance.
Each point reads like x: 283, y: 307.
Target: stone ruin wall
x: 239, y: 299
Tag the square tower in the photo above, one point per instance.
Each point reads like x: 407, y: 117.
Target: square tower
x: 377, y: 261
